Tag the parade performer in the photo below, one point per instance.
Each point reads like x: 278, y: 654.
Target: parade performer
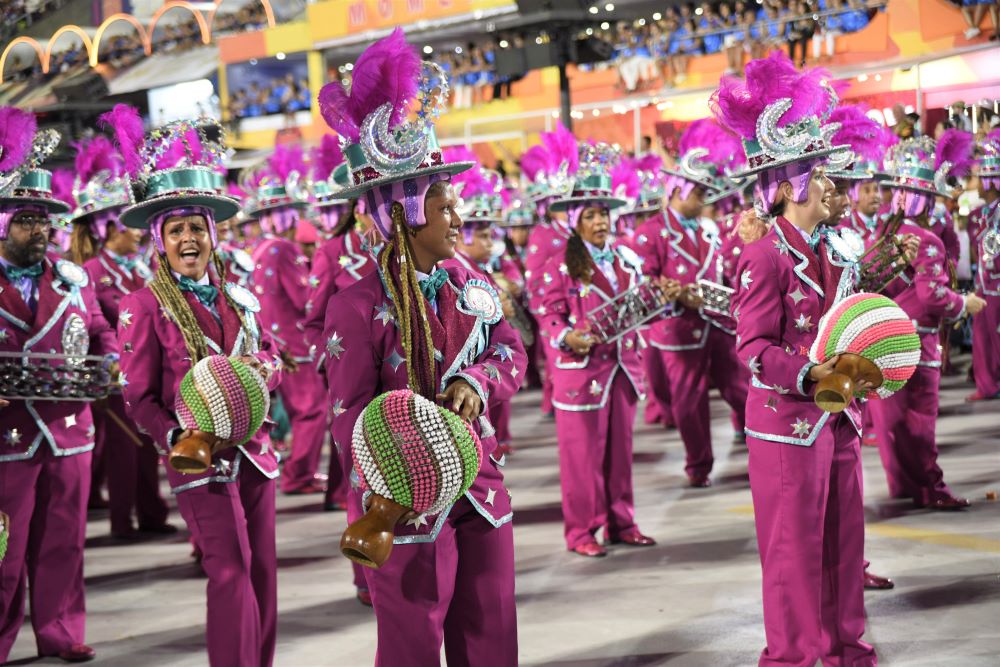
x: 596, y: 385
x: 905, y: 423
x: 281, y: 280
x: 805, y: 464
x: 109, y: 252
x: 47, y: 305
x: 440, y: 333
x: 188, y: 311
x: 694, y: 345
x: 985, y: 232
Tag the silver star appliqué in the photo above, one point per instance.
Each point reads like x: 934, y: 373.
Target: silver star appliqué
x: 781, y: 247
x: 12, y: 437
x: 417, y: 521
x: 779, y: 389
x: 395, y: 360
x: 122, y: 380
x: 745, y: 279
x: 70, y: 421
x: 772, y: 403
x: 803, y: 322
x: 338, y: 407
x: 595, y: 388
x: 940, y: 291
x: 932, y: 251
x: 383, y: 315
x: 491, y: 371
x: 344, y: 261
x: 3, y: 335
x: 334, y: 345
x: 125, y: 318
x: 491, y: 496
x: 801, y: 427
x: 503, y: 351
x: 797, y: 295
x: 754, y: 365
x: 314, y: 281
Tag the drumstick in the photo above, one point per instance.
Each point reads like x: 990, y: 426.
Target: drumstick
x: 123, y: 426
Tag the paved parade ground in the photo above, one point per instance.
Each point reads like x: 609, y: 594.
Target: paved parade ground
x: 693, y: 600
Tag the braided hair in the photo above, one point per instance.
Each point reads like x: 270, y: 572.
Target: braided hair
x: 171, y: 299
x: 399, y: 271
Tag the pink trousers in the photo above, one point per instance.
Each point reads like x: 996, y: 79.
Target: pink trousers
x: 658, y: 408
x: 688, y: 374
x: 595, y: 466
x: 304, y: 396
x: 905, y: 427
x: 810, y: 531
x: 458, y: 589
x: 986, y: 348
x: 46, y: 498
x: 233, y: 525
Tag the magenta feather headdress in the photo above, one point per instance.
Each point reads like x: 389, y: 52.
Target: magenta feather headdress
x: 536, y: 161
x: 62, y: 186
x: 388, y: 71
x: 625, y: 181
x: 724, y: 148
x: 862, y: 133
x: 562, y: 147
x: 95, y: 156
x: 17, y: 132
x: 235, y: 191
x: 470, y: 182
x: 183, y: 151
x: 650, y: 162
x: 126, y: 123
x: 286, y: 159
x: 326, y: 157
x: 955, y: 147
x: 738, y: 103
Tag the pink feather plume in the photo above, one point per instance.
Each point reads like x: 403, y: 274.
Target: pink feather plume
x: 326, y: 157
x: 96, y: 155
x: 536, y: 160
x: 562, y: 147
x: 286, y: 159
x: 182, y: 151
x: 650, y: 162
x: 955, y: 146
x: 472, y: 181
x: 724, y: 148
x: 62, y: 186
x: 625, y: 179
x: 387, y: 71
x: 235, y: 191
x: 739, y: 102
x: 126, y: 123
x: 17, y: 131
x: 862, y: 133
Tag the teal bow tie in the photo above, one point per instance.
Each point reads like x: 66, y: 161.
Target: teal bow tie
x: 818, y: 235
x: 15, y: 273
x: 206, y: 294
x: 127, y: 263
x: 606, y: 256
x: 690, y: 224
x: 430, y: 285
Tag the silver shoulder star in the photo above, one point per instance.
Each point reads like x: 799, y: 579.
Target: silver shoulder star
x: 334, y: 346
x: 383, y: 315
x: 801, y: 427
x: 754, y: 365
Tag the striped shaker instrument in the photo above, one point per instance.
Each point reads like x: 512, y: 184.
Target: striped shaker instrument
x: 416, y: 453
x: 223, y: 396
x: 874, y: 327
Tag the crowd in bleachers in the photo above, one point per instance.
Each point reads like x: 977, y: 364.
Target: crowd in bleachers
x: 285, y: 95
x: 126, y: 49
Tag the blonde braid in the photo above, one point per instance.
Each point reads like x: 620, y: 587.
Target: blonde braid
x: 169, y: 295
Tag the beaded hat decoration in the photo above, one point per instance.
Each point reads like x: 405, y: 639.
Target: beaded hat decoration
x: 174, y: 166
x: 416, y: 453
x: 592, y: 185
x: 639, y: 182
x: 550, y: 167
x: 100, y: 186
x: 390, y: 157
x: 23, y: 183
x: 223, y: 396
x: 778, y: 112
x: 479, y: 191
x: 989, y: 162
x: 327, y: 174
x: 920, y: 169
x: 282, y: 193
x: 518, y: 212
x: 874, y: 327
x: 867, y: 140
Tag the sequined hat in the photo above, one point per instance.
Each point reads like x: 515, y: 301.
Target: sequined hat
x: 100, y: 183
x: 923, y: 165
x: 390, y: 158
x: 592, y: 184
x: 550, y: 166
x: 989, y: 163
x: 22, y: 151
x: 328, y: 174
x: 281, y: 183
x: 867, y: 141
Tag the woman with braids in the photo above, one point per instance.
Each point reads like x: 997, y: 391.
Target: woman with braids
x: 109, y: 252
x: 805, y: 463
x: 595, y: 385
x: 189, y: 311
x: 440, y: 333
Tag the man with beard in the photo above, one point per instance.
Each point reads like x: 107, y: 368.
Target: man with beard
x: 47, y: 305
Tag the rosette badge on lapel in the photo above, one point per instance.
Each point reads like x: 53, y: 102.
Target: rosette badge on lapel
x: 386, y: 125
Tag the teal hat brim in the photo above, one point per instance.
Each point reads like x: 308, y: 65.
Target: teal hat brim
x: 798, y: 158
x: 53, y: 206
x: 260, y: 210
x: 566, y: 204
x: 452, y: 168
x: 138, y: 215
x: 88, y: 217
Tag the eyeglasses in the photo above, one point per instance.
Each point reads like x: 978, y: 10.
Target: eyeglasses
x: 30, y: 221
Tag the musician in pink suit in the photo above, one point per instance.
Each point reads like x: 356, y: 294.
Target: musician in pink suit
x: 596, y: 384
x: 905, y: 423
x: 412, y: 324
x: 109, y: 252
x: 281, y: 282
x: 985, y: 232
x: 805, y: 464
x: 695, y: 345
x: 47, y: 305
x: 187, y: 312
